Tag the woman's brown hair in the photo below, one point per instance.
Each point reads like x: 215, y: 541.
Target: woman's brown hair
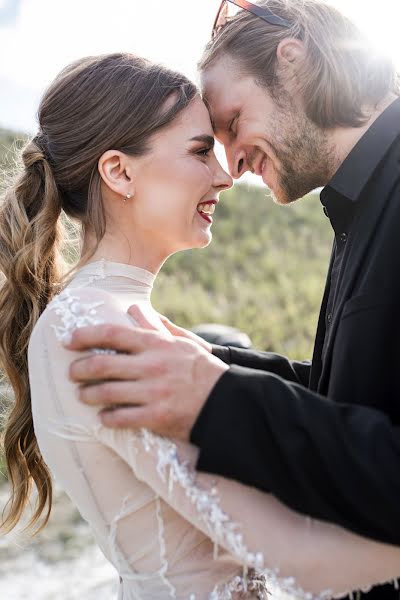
x: 115, y: 101
x: 341, y: 76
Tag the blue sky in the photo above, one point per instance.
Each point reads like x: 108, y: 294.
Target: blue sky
x: 9, y: 12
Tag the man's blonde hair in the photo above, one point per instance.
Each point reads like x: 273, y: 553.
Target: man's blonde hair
x: 341, y: 75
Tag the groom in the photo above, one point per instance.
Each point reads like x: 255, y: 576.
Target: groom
x: 295, y: 96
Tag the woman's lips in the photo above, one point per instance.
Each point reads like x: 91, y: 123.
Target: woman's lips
x: 206, y: 210
x: 206, y: 217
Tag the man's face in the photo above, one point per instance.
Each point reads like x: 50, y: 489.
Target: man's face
x: 270, y: 136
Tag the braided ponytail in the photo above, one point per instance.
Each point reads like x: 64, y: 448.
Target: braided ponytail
x: 30, y: 234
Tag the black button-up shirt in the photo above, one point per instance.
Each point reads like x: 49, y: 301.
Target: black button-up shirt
x: 340, y: 211
x: 343, y: 201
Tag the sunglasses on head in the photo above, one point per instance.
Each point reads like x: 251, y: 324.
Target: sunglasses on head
x: 228, y: 8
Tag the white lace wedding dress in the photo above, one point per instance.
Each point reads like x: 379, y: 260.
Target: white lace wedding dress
x: 171, y: 532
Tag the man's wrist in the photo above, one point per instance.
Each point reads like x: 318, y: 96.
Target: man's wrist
x: 222, y: 352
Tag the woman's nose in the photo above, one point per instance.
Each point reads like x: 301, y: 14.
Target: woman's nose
x: 222, y: 179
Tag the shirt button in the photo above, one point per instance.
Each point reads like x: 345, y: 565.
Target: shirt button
x: 343, y: 237
x: 329, y: 318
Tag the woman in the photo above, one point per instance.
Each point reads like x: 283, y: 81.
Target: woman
x: 125, y: 148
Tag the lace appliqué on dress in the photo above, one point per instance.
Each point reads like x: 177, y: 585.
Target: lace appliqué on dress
x: 73, y: 314
x: 222, y: 530
x: 220, y: 527
x: 253, y: 585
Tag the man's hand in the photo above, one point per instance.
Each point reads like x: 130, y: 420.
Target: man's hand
x: 176, y: 331
x: 157, y: 382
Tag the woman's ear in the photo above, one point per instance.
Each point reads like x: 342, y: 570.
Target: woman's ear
x: 116, y: 172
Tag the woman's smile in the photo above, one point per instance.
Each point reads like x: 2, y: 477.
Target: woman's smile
x: 206, y: 209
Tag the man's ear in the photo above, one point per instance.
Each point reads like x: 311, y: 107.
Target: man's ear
x: 116, y: 171
x: 290, y: 55
x: 290, y: 51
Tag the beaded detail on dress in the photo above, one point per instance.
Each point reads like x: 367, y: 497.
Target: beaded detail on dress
x: 73, y: 314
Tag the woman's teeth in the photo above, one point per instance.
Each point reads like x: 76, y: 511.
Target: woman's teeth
x: 207, y: 208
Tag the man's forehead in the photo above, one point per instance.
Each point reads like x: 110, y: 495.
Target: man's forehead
x: 218, y: 95
x: 223, y: 86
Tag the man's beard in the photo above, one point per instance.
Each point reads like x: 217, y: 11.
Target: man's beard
x: 307, y: 159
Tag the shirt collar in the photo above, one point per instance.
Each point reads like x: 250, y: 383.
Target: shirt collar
x: 354, y: 173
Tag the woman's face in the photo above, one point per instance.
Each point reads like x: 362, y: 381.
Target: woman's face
x: 176, y: 186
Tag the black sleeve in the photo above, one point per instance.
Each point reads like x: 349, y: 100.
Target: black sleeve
x: 291, y: 370
x: 332, y: 461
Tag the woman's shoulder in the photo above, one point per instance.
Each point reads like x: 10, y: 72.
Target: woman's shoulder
x: 78, y: 307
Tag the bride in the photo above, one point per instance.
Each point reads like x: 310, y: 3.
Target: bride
x: 125, y: 148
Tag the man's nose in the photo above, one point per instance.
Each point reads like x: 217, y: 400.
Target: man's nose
x: 237, y: 162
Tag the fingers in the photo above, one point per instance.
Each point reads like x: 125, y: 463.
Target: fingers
x: 112, y: 393
x: 181, y: 332
x: 172, y: 328
x: 135, y: 417
x: 99, y: 367
x: 122, y: 339
x: 165, y: 320
x: 117, y: 366
x: 141, y: 319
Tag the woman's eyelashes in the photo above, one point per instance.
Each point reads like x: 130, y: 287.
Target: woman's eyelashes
x: 205, y: 152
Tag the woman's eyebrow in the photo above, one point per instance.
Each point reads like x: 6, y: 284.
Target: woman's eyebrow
x: 206, y: 139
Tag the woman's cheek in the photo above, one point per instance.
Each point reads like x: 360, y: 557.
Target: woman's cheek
x: 206, y: 177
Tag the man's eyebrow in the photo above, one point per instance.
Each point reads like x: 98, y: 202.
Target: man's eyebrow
x: 206, y: 139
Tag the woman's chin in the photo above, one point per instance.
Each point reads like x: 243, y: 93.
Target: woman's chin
x: 201, y: 240
x: 206, y: 240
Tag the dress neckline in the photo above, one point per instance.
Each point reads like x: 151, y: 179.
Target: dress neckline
x: 102, y: 269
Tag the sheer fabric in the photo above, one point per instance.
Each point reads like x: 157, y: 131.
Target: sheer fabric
x: 171, y: 532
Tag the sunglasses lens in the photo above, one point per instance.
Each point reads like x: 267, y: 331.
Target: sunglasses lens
x: 229, y: 9
x: 226, y: 12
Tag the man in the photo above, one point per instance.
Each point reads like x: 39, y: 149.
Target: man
x: 296, y: 97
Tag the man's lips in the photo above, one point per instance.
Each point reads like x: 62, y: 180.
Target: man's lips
x: 260, y: 164
x: 262, y: 167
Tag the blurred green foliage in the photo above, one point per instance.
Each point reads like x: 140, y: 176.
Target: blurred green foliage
x: 10, y: 143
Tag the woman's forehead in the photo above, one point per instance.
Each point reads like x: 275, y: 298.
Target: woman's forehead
x: 194, y: 121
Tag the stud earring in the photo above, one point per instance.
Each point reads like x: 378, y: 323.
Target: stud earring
x: 127, y: 197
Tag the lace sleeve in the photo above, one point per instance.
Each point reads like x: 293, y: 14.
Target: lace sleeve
x: 301, y: 556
